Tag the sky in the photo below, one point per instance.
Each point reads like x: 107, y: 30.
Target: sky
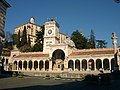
x: 101, y: 16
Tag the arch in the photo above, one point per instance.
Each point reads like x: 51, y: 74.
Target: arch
x: 30, y: 65
x: 71, y: 64
x: 15, y: 65
x: 25, y: 65
x: 106, y: 64
x: 20, y: 65
x: 77, y: 64
x: 41, y: 64
x: 112, y: 64
x: 35, y: 65
x: 91, y: 64
x: 58, y: 54
x: 47, y: 65
x: 98, y: 64
x: 84, y: 64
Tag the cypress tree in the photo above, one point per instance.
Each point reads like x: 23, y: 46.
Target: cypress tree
x: 92, y: 40
x: 24, y: 37
x: 18, y: 40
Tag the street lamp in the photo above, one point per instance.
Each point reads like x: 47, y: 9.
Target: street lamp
x: 114, y: 42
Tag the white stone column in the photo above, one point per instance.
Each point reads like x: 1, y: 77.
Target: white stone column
x: 102, y: 64
x: 66, y: 64
x: 38, y: 66
x: 27, y: 65
x: 109, y: 64
x: 88, y: 65
x: 50, y: 65
x: 80, y: 65
x: 95, y: 65
x: 17, y: 66
x: 33, y: 65
x: 43, y: 65
x: 73, y: 65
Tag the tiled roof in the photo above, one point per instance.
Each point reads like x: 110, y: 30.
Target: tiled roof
x: 25, y: 55
x: 92, y: 51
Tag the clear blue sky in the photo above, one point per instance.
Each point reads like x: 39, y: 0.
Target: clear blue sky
x: 102, y: 16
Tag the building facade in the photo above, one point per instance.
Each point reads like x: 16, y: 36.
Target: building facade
x: 3, y: 8
x: 60, y: 55
x: 31, y: 29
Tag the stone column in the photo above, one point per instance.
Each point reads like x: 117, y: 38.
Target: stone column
x: 109, y: 64
x: 33, y: 65
x: 43, y: 65
x: 38, y: 66
x: 66, y: 64
x: 73, y: 65
x: 114, y: 38
x: 50, y: 65
x: 27, y: 65
x: 88, y: 66
x: 81, y: 66
x: 95, y: 65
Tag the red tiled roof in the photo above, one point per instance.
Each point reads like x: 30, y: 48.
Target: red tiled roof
x: 92, y: 51
x: 32, y: 55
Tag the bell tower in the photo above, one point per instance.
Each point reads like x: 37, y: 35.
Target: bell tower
x: 51, y: 34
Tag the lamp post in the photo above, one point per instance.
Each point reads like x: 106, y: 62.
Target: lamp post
x: 114, y: 42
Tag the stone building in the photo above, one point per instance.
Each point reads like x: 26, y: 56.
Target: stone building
x: 60, y: 55
x: 31, y: 29
x: 3, y: 8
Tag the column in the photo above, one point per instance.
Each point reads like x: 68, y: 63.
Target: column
x: 22, y: 66
x: 109, y: 64
x: 43, y: 65
x: 50, y: 65
x: 73, y: 65
x: 27, y: 65
x: 95, y: 65
x: 80, y: 65
x: 38, y: 66
x: 102, y: 64
x: 88, y: 66
x: 33, y: 65
x: 66, y: 64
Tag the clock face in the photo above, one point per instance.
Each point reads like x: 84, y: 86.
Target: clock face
x: 49, y: 31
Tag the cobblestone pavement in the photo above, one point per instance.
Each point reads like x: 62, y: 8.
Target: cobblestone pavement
x: 36, y: 83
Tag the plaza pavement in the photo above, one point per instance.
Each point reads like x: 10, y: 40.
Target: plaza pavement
x: 37, y: 83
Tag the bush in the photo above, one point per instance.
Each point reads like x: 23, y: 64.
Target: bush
x: 58, y: 77
x: 21, y: 75
x: 14, y: 74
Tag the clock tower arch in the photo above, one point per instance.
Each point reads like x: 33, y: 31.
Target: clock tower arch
x: 51, y: 35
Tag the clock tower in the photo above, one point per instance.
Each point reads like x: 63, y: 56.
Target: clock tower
x: 51, y: 34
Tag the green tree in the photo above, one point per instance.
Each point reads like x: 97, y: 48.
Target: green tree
x: 24, y: 37
x: 14, y: 38
x: 91, y: 42
x: 101, y: 43
x: 79, y: 39
x: 29, y: 42
x: 18, y: 40
x: 39, y: 40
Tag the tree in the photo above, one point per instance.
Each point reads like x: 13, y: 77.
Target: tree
x: 101, y: 43
x: 39, y: 40
x: 29, y: 42
x: 9, y: 42
x: 24, y: 37
x: 79, y: 39
x: 18, y: 40
x: 91, y: 42
x: 14, y: 38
